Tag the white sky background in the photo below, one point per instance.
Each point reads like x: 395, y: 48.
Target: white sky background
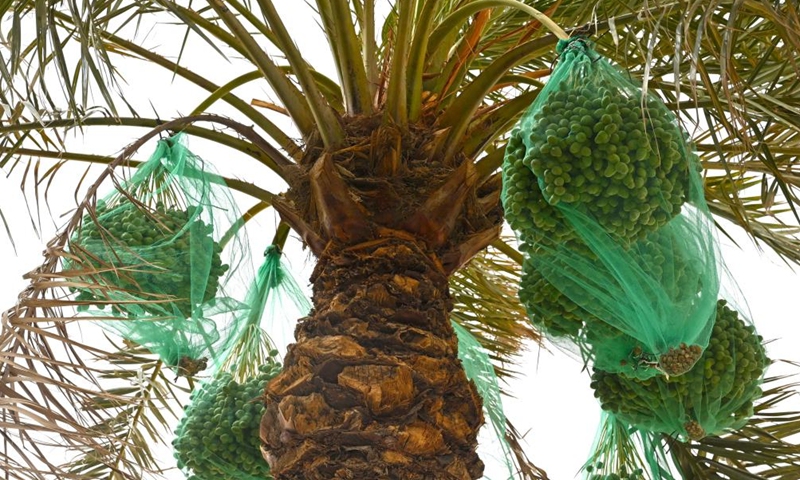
x: 553, y: 403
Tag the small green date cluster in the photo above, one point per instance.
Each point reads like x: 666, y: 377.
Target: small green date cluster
x: 595, y: 472
x: 166, y: 250
x: 548, y: 307
x: 218, y: 436
x: 535, y: 221
x: 716, y: 394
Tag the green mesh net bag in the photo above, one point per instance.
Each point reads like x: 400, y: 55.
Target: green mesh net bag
x: 273, y: 302
x: 604, y: 194
x: 218, y: 436
x: 479, y: 369
x: 156, y: 271
x: 717, y: 394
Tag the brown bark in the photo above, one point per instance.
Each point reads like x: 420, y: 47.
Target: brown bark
x: 373, y: 388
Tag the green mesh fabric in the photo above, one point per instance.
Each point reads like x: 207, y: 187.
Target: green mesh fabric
x: 717, y: 394
x: 159, y: 273
x: 478, y: 367
x: 274, y: 301
x: 218, y: 436
x: 604, y: 194
x: 621, y: 452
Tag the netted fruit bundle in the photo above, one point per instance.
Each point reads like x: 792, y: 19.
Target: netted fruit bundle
x: 640, y: 310
x: 715, y: 395
x: 150, y: 254
x: 553, y: 311
x: 596, y: 145
x: 218, y: 436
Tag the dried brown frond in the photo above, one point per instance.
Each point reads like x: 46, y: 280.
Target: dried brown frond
x: 73, y: 407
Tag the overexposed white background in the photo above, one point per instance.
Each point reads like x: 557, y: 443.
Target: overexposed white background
x: 552, y: 402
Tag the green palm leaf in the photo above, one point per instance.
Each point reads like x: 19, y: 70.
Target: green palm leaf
x: 463, y: 69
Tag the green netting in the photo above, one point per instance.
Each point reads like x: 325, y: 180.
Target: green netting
x: 603, y: 191
x: 274, y: 301
x: 478, y: 367
x: 218, y: 436
x: 717, y: 394
x: 621, y: 452
x: 159, y: 274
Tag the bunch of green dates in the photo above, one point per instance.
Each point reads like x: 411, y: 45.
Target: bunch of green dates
x: 163, y: 251
x: 716, y: 394
x: 560, y: 314
x: 592, y: 142
x: 595, y: 148
x: 548, y: 307
x: 594, y: 473
x: 218, y: 436
x: 535, y: 221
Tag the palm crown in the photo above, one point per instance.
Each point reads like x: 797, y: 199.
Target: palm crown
x: 439, y: 81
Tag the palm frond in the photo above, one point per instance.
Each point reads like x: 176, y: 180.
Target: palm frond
x: 135, y: 422
x: 79, y: 399
x: 487, y: 305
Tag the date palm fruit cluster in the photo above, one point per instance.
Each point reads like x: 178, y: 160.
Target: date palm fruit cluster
x: 595, y: 147
x: 716, y: 394
x: 218, y: 436
x: 596, y: 180
x: 167, y: 250
x: 562, y: 312
x: 592, y: 146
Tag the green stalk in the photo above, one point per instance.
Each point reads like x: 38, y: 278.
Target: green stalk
x: 281, y: 235
x: 329, y: 89
x: 458, y: 116
x: 325, y: 14
x: 486, y: 128
x: 260, y: 120
x: 490, y: 163
x: 298, y: 108
x: 508, y: 250
x: 226, y: 89
x: 327, y: 120
x: 243, y: 146
x: 419, y: 47
x: 354, y: 76
x: 454, y: 21
x: 242, y: 221
x: 369, y: 47
x: 238, y: 185
x: 396, y: 98
x: 451, y: 75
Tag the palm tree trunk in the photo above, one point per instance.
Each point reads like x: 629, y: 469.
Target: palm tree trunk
x: 373, y: 388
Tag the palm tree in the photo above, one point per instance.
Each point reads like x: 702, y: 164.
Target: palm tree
x: 394, y: 186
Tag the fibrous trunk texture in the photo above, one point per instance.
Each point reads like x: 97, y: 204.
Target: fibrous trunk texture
x: 373, y: 388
